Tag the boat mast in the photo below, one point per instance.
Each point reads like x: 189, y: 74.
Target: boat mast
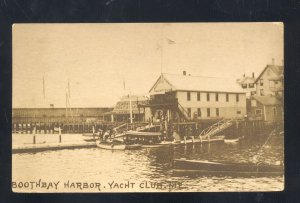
x: 130, y: 106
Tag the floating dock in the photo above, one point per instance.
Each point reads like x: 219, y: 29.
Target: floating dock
x: 32, y: 148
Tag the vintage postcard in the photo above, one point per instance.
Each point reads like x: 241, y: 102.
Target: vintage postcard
x: 148, y: 107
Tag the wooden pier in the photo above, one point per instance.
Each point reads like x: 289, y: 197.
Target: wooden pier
x: 33, y: 148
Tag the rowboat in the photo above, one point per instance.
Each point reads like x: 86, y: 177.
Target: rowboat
x: 209, y: 166
x: 233, y: 141
x: 113, y: 146
x: 91, y: 139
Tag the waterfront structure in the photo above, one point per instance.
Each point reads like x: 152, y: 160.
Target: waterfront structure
x: 186, y: 97
x: 121, y: 111
x: 267, y: 108
x: 268, y: 103
x: 248, y: 84
x: 25, y: 119
x: 270, y: 80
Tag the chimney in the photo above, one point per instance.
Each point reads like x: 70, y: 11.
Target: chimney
x: 252, y: 74
x: 273, y: 61
x: 184, y: 72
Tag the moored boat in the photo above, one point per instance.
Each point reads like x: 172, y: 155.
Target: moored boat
x: 231, y: 141
x: 209, y: 166
x: 90, y: 139
x: 113, y: 146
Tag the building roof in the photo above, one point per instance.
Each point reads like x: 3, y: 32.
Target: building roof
x: 201, y: 83
x: 278, y: 70
x: 267, y: 100
x: 243, y: 79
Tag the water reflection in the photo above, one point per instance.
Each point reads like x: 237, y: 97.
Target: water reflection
x: 153, y: 165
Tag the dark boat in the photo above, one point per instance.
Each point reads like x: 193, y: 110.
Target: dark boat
x: 208, y: 166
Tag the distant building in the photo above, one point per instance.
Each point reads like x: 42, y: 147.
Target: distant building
x: 58, y: 115
x: 267, y: 108
x: 268, y: 104
x: 271, y: 80
x: 121, y: 111
x: 185, y: 97
x: 248, y: 84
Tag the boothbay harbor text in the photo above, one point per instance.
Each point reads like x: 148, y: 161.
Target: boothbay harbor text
x: 94, y: 186
x: 158, y: 107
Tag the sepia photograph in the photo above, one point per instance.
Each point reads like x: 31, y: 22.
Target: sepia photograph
x: 147, y: 107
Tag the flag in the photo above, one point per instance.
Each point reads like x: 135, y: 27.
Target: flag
x: 170, y: 41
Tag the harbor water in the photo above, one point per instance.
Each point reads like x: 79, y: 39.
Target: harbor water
x: 145, y: 170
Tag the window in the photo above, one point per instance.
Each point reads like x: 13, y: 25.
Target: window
x: 217, y: 111
x: 262, y: 92
x: 238, y: 112
x: 244, y: 86
x: 198, y: 96
x: 199, y: 112
x: 253, y: 92
x: 208, y: 112
x: 261, y: 82
x: 227, y: 97
x: 258, y: 111
x: 217, y: 97
x: 237, y: 97
x: 276, y: 82
x: 207, y: 96
x: 251, y: 85
x: 189, y: 96
x: 189, y: 112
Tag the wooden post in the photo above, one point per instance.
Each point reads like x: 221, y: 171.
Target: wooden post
x: 34, y: 139
x: 59, y: 132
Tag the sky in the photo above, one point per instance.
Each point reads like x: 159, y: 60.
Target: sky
x: 98, y: 59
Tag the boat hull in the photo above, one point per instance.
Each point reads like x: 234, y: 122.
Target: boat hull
x: 133, y: 146
x: 207, y: 166
x: 111, y: 146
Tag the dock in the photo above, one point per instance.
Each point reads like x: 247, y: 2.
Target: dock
x: 33, y: 148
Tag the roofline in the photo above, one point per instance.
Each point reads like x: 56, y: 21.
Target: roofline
x: 155, y: 82
x: 181, y: 90
x: 267, y: 104
x: 161, y: 76
x: 263, y: 72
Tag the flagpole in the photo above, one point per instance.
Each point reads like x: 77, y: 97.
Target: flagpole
x: 44, y: 88
x: 161, y: 52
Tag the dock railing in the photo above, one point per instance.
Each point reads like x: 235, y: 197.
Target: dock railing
x: 216, y: 128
